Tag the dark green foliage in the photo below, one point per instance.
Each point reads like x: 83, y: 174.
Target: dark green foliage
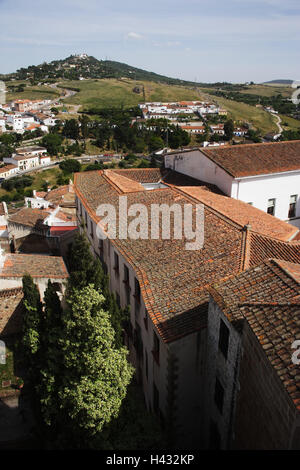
x: 71, y: 129
x: 53, y: 143
x: 228, y: 129
x: 70, y: 166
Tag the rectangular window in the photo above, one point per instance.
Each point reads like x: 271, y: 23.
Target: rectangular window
x: 155, y: 350
x: 146, y: 364
x: 137, y: 290
x: 116, y: 263
x: 91, y: 230
x: 155, y: 399
x: 292, y: 206
x: 219, y: 395
x: 271, y: 206
x: 223, y: 338
x: 127, y: 286
x: 146, y: 320
x: 118, y: 300
x: 138, y: 342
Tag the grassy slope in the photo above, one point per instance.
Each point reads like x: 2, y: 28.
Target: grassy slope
x: 243, y: 112
x: 33, y: 93
x: 293, y: 124
x: 112, y: 92
x: 268, y: 90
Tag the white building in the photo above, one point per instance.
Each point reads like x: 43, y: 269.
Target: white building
x: 23, y: 162
x: 266, y: 176
x: 8, y: 170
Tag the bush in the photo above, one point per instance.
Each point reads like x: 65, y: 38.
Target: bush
x: 70, y: 166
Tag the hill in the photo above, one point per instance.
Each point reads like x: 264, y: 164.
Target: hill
x: 80, y: 66
x: 279, y: 82
x: 96, y: 94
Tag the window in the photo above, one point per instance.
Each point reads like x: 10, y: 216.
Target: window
x: 155, y: 350
x: 138, y: 342
x: 146, y: 364
x: 118, y: 300
x: 223, y: 338
x: 271, y: 206
x: 292, y: 207
x: 219, y: 395
x: 146, y: 320
x: 155, y: 399
x: 116, y: 263
x: 137, y: 290
x: 86, y: 219
x: 91, y: 230
x: 127, y: 286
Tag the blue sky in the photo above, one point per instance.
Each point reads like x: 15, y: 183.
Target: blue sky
x: 207, y: 40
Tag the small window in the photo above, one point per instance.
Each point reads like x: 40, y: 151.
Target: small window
x: 146, y: 364
x: 126, y: 274
x: 271, y: 206
x: 292, y: 206
x: 155, y: 399
x: 223, y: 338
x: 86, y: 219
x: 118, y: 300
x: 116, y: 263
x: 155, y: 351
x: 219, y: 395
x: 137, y: 290
x: 91, y: 230
x: 146, y: 320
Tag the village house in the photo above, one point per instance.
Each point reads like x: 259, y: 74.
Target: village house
x: 167, y: 286
x: 8, y: 171
x: 217, y: 129
x: 266, y: 175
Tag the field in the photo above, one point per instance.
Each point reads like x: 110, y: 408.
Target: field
x: 293, y: 124
x: 32, y: 92
x: 113, y: 92
x: 268, y: 90
x: 245, y: 113
x: 39, y: 177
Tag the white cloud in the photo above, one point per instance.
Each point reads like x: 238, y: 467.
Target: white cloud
x: 133, y: 35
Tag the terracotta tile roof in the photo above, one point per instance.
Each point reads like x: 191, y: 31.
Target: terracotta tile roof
x: 142, y: 175
x: 24, y: 157
x: 243, y: 214
x: 30, y: 217
x: 126, y: 185
x: 174, y: 280
x: 256, y: 159
x: 268, y: 298
x: 6, y: 168
x: 260, y: 247
x: 60, y: 194
x: 10, y: 311
x: 40, y: 266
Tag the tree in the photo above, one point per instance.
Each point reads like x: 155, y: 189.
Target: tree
x: 70, y: 166
x: 96, y: 374
x: 52, y: 142
x: 71, y: 129
x: 228, y: 129
x: 32, y: 314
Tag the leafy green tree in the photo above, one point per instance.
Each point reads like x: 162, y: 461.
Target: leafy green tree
x: 70, y: 166
x: 32, y: 315
x: 71, y: 129
x: 53, y: 143
x: 96, y: 374
x: 228, y: 129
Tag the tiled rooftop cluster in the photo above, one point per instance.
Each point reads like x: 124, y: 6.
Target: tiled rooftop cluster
x: 173, y: 280
x: 38, y: 266
x: 30, y: 217
x: 256, y: 159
